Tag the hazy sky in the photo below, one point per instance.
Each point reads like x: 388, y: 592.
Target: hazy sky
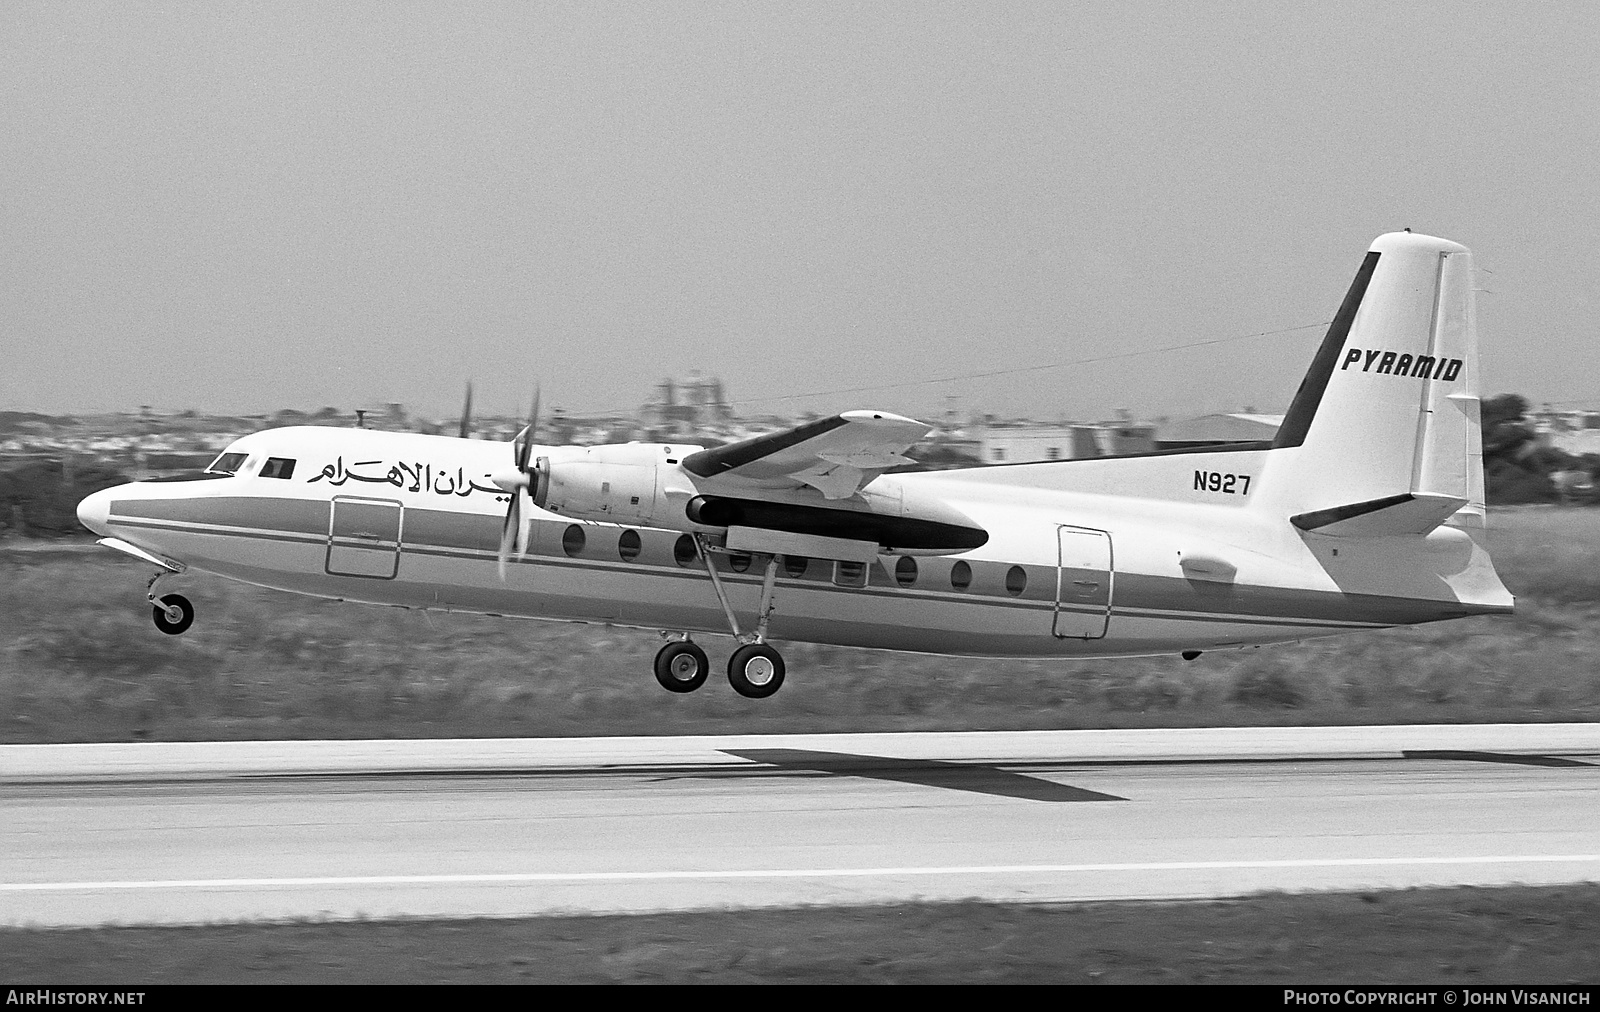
x: 245, y: 207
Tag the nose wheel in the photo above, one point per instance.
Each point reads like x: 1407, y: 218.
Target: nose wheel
x: 173, y: 614
x: 682, y: 666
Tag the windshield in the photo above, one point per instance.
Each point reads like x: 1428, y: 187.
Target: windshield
x: 227, y: 463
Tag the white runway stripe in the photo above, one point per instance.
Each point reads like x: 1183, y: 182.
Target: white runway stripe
x: 535, y: 878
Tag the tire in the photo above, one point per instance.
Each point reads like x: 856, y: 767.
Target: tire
x: 173, y: 603
x: 755, y: 670
x: 682, y: 666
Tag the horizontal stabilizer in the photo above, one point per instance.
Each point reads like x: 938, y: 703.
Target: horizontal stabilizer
x: 1390, y: 516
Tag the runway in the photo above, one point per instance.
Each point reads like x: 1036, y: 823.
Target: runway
x: 203, y: 832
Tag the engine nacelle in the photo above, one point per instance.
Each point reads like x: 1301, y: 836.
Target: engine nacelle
x: 888, y: 517
x: 644, y: 484
x: 617, y: 483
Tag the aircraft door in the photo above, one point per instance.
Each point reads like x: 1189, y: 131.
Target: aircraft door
x: 364, y: 537
x: 1083, y: 583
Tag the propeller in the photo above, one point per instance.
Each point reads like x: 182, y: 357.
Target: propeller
x: 466, y: 413
x: 524, y: 481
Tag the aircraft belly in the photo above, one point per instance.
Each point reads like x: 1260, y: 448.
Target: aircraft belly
x: 1152, y: 616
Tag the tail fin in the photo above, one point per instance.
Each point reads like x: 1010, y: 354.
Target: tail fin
x: 1385, y: 425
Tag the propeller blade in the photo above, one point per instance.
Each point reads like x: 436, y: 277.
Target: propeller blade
x: 522, y: 528
x: 512, y: 535
x: 525, y: 450
x: 466, y: 413
x: 511, y: 532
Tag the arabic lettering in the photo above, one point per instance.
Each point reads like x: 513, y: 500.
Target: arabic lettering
x: 413, y: 477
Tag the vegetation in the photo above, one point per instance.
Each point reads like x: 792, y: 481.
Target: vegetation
x: 39, y: 498
x: 80, y: 661
x: 1434, y: 936
x: 1516, y: 467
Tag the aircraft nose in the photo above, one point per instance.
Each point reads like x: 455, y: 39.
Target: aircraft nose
x: 94, y: 509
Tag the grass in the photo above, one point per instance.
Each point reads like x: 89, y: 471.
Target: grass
x: 1450, y: 936
x: 79, y: 661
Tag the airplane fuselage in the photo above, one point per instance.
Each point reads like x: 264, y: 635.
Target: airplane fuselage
x: 415, y: 521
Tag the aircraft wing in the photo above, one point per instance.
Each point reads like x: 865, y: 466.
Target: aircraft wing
x: 835, y: 455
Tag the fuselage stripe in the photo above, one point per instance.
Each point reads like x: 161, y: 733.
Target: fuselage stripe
x: 1121, y: 608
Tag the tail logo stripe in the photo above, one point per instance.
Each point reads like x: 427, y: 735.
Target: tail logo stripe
x: 1298, y: 421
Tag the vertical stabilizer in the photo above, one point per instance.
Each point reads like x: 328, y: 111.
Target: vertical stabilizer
x: 1384, y: 429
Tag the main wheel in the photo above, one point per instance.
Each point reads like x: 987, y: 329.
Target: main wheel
x: 173, y: 615
x: 682, y: 666
x: 755, y: 670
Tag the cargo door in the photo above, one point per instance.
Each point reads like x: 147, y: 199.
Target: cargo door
x: 1083, y: 583
x: 364, y: 537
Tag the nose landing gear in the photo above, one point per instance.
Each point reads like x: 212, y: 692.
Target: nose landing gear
x: 172, y: 614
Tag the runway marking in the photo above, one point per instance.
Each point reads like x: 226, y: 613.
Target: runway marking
x: 532, y: 878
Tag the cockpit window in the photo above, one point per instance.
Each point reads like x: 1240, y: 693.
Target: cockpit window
x: 278, y: 467
x: 228, y: 463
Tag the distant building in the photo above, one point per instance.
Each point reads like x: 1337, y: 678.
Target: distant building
x: 1216, y: 430
x: 1012, y: 443
x: 683, y: 407
x: 1574, y: 432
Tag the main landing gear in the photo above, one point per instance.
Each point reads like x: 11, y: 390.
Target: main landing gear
x: 755, y: 670
x: 172, y: 613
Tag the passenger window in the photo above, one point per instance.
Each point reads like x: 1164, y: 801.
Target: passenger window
x: 961, y: 576
x: 572, y: 541
x: 1016, y: 581
x: 277, y: 467
x: 628, y: 546
x: 795, y: 565
x: 683, y: 550
x: 738, y: 561
x: 905, y: 571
